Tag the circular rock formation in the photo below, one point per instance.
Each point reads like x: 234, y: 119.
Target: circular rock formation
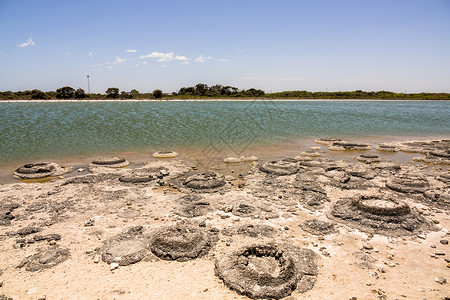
x: 126, y: 248
x: 137, y: 178
x: 318, y: 227
x: 256, y: 231
x: 165, y: 154
x: 387, y: 148
x: 248, y: 158
x: 111, y: 162
x: 303, y: 158
x: 379, y: 214
x: 327, y: 142
x: 343, y: 146
x: 310, y: 153
x: 205, y: 182
x: 438, y: 157
x: 36, y: 170
x: 368, y: 158
x: 180, y: 242
x: 280, y: 168
x: 408, y: 184
x: 267, y: 271
x: 232, y: 160
x: 192, y: 205
x: 45, y: 259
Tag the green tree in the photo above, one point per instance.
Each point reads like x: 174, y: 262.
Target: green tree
x: 112, y: 93
x: 65, y: 92
x: 80, y: 94
x: 125, y: 95
x: 134, y: 93
x: 38, y: 94
x: 157, y: 94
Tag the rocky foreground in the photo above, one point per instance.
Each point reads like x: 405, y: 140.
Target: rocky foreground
x: 300, y: 228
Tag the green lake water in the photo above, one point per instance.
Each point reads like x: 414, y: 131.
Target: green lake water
x: 33, y: 131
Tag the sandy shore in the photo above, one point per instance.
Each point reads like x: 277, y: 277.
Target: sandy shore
x: 379, y: 231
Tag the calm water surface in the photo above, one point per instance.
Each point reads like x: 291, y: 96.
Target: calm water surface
x: 31, y: 131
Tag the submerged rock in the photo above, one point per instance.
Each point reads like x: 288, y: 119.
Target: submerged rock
x: 111, y: 162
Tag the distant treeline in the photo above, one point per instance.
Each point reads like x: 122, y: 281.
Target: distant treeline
x: 203, y: 91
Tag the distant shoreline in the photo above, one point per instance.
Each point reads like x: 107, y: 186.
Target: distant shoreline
x: 205, y: 100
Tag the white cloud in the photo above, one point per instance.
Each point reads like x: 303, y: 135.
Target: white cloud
x: 145, y: 62
x: 131, y: 51
x: 202, y: 59
x: 224, y: 60
x: 29, y: 42
x: 119, y: 60
x: 91, y: 54
x: 67, y: 53
x: 169, y: 56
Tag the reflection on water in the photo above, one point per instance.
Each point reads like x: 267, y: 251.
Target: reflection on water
x: 33, y: 131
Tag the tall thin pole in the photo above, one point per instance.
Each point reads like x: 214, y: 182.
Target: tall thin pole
x: 89, y: 87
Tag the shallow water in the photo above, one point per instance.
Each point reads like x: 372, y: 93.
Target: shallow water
x: 35, y: 131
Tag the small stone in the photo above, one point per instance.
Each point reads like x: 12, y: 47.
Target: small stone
x: 89, y: 251
x: 353, y: 298
x: 421, y: 236
x: 447, y: 260
x: 435, y: 221
x: 202, y: 224
x: 42, y: 298
x: 89, y: 223
x: 433, y: 246
x: 439, y: 252
x: 1, y: 283
x: 52, y: 243
x: 440, y: 280
x: 286, y: 228
x: 368, y: 246
x: 432, y: 254
x: 444, y: 242
x: 80, y: 170
x: 113, y: 266
x: 97, y: 259
x: 129, y: 203
x: 368, y: 283
x: 314, y: 244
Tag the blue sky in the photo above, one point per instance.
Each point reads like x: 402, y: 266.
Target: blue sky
x: 401, y: 45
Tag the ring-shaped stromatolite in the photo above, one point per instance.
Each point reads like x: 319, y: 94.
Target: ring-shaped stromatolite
x: 408, y: 184
x: 35, y: 171
x: 165, y: 154
x: 368, y: 158
x: 318, y: 227
x: 180, y: 242
x: 327, y: 142
x: 111, y: 162
x: 310, y: 153
x: 259, y: 271
x: 125, y: 248
x: 206, y: 181
x: 387, y: 148
x: 382, y: 206
x: 137, y: 178
x: 342, y: 146
x: 44, y: 259
x: 380, y: 214
x: 280, y: 168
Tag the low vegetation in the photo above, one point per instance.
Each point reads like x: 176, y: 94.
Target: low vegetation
x: 203, y: 91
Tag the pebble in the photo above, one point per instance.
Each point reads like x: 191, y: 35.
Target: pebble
x: 89, y: 251
x: 440, y: 280
x: 97, y: 259
x: 52, y: 243
x: 113, y: 266
x: 444, y: 242
x: 80, y: 170
x: 202, y: 224
x: 368, y: 246
x: 1, y: 283
x: 421, y: 236
x: 439, y: 252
